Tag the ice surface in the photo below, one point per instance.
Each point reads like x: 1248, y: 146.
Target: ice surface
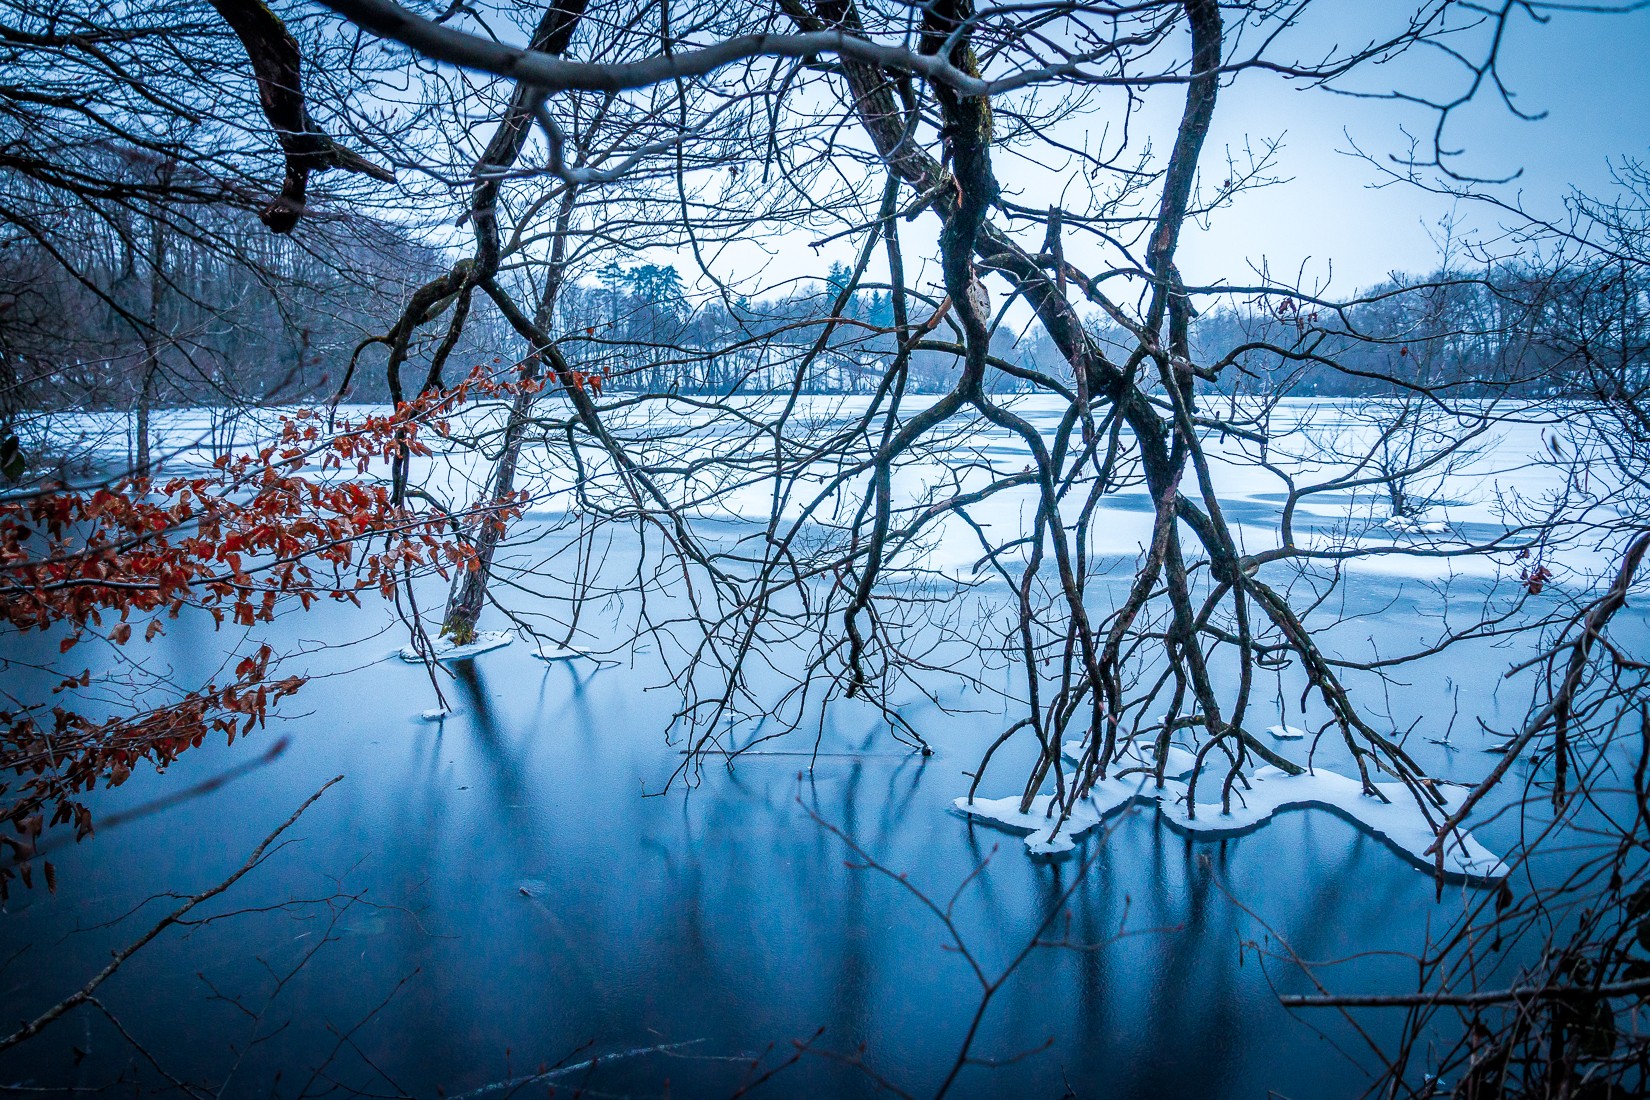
x: 560, y: 653
x: 1178, y: 762
x: 443, y: 649
x: 1512, y: 463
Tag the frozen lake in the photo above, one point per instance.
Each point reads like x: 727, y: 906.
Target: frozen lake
x: 507, y: 887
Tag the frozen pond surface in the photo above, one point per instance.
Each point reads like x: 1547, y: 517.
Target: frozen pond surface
x: 509, y: 867
x: 504, y: 887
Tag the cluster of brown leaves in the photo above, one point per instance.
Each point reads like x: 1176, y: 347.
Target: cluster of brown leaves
x: 232, y: 542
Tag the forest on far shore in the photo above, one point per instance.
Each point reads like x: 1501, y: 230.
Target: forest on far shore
x: 215, y: 311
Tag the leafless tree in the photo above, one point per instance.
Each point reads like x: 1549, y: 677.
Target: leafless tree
x: 566, y: 141
x: 933, y: 127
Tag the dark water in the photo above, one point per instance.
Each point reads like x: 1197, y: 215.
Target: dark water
x: 506, y: 889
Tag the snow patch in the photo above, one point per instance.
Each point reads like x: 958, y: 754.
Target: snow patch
x: 443, y: 649
x: 1125, y: 784
x: 1398, y: 820
x: 1286, y: 733
x: 1047, y: 834
x: 1409, y: 525
x: 437, y: 714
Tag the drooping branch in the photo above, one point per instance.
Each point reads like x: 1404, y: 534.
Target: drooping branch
x: 277, y: 64
x: 390, y: 20
x: 85, y: 992
x: 1556, y: 713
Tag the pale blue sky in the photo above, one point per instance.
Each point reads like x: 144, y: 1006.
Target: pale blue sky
x: 1587, y: 72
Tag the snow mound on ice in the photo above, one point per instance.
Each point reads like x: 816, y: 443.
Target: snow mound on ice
x: 1409, y: 525
x: 1286, y: 733
x: 1129, y: 779
x: 1397, y: 820
x: 443, y: 649
x: 1047, y: 835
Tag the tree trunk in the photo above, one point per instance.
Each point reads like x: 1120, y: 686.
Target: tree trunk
x: 470, y: 595
x: 151, y: 344
x: 464, y: 609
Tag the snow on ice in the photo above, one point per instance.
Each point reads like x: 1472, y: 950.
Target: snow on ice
x: 444, y: 649
x: 1394, y: 816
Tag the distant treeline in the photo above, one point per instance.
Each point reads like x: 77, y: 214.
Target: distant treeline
x: 1571, y: 330
x: 211, y: 311
x: 111, y: 312
x: 1469, y: 334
